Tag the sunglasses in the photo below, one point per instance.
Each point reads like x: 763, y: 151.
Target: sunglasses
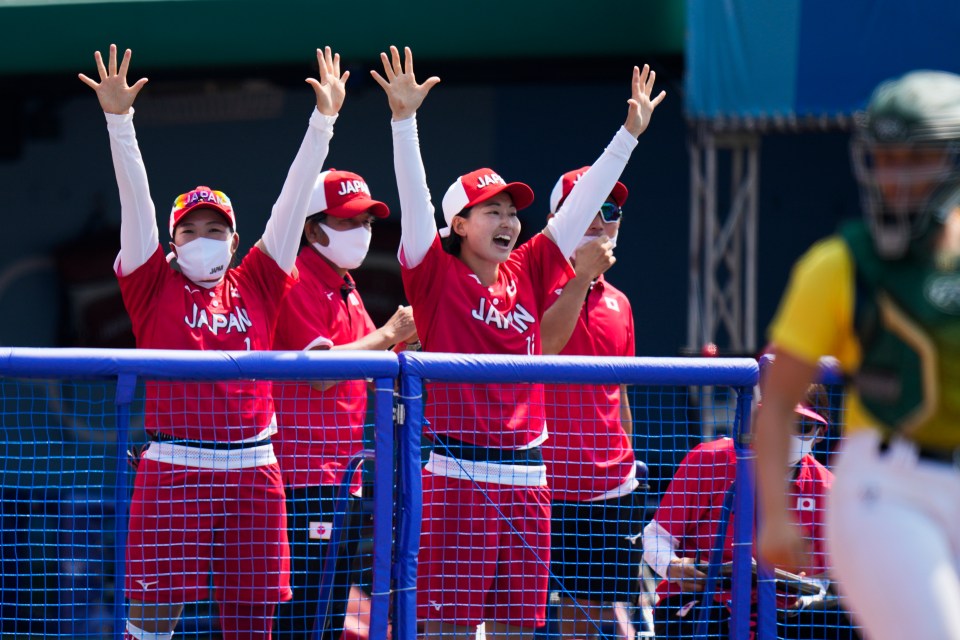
x: 610, y: 212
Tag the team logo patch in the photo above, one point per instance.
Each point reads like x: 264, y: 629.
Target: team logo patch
x: 612, y: 303
x: 320, y: 530
x: 943, y: 292
x: 488, y: 179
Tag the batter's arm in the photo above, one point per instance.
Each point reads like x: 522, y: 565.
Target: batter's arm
x: 780, y: 541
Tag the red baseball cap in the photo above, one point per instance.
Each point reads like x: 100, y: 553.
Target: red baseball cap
x: 565, y: 185
x: 477, y: 186
x: 201, y: 198
x: 343, y: 194
x: 806, y: 412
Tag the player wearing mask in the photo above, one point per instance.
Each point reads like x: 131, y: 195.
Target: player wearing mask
x: 321, y: 423
x: 677, y: 543
x: 208, y: 496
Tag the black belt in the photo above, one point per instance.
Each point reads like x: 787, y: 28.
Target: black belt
x: 945, y: 456
x: 450, y: 447
x: 203, y: 444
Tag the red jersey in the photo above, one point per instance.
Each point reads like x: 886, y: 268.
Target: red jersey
x: 691, y: 508
x: 588, y: 453
x: 454, y: 313
x: 168, y: 311
x: 319, y: 430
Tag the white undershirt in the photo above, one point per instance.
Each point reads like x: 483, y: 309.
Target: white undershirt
x: 419, y: 228
x: 139, y: 236
x: 659, y: 548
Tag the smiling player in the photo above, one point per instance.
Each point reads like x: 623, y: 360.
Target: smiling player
x: 477, y: 293
x: 208, y: 496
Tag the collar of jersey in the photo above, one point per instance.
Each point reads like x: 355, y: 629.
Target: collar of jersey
x: 317, y: 266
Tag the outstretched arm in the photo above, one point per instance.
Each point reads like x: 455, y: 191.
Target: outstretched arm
x: 568, y: 226
x: 139, y: 237
x: 281, y: 238
x: 417, y: 224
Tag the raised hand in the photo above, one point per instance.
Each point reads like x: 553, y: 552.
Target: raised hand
x: 641, y: 104
x: 403, y: 93
x: 114, y: 94
x: 331, y: 88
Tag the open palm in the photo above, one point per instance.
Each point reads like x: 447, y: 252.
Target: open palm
x: 114, y: 94
x: 403, y: 93
x: 331, y: 89
x: 641, y: 104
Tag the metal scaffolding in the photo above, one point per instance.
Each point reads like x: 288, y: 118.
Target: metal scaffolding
x: 722, y: 295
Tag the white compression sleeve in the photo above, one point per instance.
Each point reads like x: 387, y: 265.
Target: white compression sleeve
x: 659, y: 548
x: 285, y: 226
x: 590, y: 192
x: 139, y: 236
x: 418, y: 229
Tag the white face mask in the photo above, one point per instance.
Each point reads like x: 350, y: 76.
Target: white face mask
x: 799, y: 447
x: 585, y: 239
x: 204, y: 259
x: 346, y: 249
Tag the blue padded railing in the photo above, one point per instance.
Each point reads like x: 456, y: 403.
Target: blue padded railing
x: 741, y: 374
x: 128, y: 366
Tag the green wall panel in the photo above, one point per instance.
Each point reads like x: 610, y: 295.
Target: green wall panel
x: 53, y: 37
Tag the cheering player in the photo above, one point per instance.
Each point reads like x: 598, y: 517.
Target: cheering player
x: 486, y: 515
x: 321, y: 423
x: 208, y: 494
x: 591, y: 468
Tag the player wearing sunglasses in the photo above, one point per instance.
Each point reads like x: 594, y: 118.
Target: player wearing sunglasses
x: 486, y: 507
x: 208, y: 497
x: 591, y: 468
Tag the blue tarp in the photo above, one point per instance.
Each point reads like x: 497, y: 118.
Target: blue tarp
x: 761, y: 60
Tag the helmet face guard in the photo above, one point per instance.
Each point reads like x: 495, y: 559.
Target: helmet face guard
x: 900, y: 187
x: 905, y: 157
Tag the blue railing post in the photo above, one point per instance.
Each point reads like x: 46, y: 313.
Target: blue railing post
x: 410, y: 507
x: 126, y: 386
x: 383, y: 497
x: 744, y: 525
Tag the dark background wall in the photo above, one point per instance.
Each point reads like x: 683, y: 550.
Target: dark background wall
x: 236, y: 128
